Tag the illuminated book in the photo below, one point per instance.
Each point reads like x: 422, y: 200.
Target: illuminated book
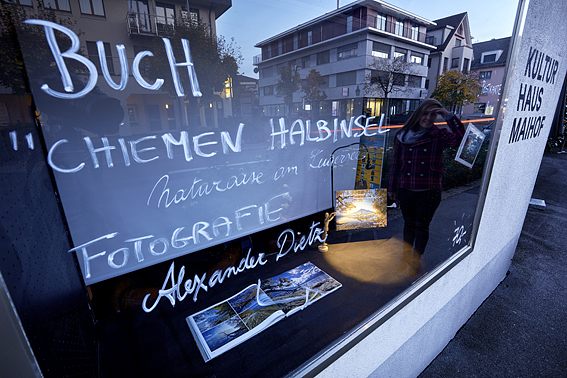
x: 362, y: 208
x: 227, y: 324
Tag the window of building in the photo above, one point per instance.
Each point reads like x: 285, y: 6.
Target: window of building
x: 27, y: 3
x: 165, y: 17
x: 267, y: 72
x: 417, y: 58
x: 381, y: 21
x: 399, y: 27
x: 445, y: 64
x: 381, y: 50
x: 415, y: 32
x: 458, y: 42
x: 324, y: 57
x: 490, y: 56
x: 62, y: 5
x: 154, y: 117
x: 94, y: 7
x: 348, y: 51
x: 400, y: 54
x: 485, y: 75
x: 305, y: 62
x: 139, y: 15
x: 346, y: 78
x: 193, y: 15
x: 268, y: 90
x: 455, y: 62
x: 414, y: 81
x: 479, y: 107
x: 466, y: 64
x: 92, y: 50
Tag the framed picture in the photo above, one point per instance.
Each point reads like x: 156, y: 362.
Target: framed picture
x: 470, y: 146
x: 358, y: 209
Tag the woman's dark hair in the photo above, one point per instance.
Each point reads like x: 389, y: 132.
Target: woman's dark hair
x: 413, y: 121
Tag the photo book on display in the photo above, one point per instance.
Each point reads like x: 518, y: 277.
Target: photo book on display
x: 227, y: 324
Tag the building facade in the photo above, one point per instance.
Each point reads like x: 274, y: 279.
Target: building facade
x: 489, y: 64
x: 452, y: 38
x: 347, y: 47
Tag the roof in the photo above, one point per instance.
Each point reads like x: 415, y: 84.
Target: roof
x: 493, y: 45
x: 375, y: 4
x: 452, y: 22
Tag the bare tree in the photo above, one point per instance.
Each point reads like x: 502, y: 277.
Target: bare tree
x: 387, y: 76
x: 287, y: 84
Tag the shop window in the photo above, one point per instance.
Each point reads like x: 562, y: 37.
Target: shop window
x: 177, y: 203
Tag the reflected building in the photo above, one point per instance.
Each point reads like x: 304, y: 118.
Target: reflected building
x: 452, y: 38
x: 138, y: 24
x: 349, y: 47
x: 489, y: 63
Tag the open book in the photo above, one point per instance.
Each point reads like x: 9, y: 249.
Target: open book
x: 226, y: 324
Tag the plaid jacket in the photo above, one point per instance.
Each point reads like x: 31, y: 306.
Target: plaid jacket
x: 420, y: 165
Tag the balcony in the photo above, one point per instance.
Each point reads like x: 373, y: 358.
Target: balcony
x: 150, y: 25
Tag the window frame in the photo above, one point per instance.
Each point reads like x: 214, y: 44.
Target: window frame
x: 57, y: 7
x: 91, y: 4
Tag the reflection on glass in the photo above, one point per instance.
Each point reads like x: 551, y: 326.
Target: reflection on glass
x: 189, y: 161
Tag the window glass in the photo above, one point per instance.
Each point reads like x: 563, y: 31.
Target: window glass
x: 93, y: 7
x: 346, y: 78
x: 193, y: 176
x: 323, y: 57
x: 399, y: 28
x: 416, y: 58
x: 455, y: 62
x: 489, y: 58
x: 62, y: 5
x: 348, y: 51
x: 485, y: 75
x: 400, y: 54
x: 414, y: 81
x: 381, y: 21
x: 381, y: 50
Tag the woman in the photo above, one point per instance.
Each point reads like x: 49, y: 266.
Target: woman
x: 416, y: 172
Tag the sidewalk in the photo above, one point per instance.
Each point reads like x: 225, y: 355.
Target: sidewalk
x: 521, y: 329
